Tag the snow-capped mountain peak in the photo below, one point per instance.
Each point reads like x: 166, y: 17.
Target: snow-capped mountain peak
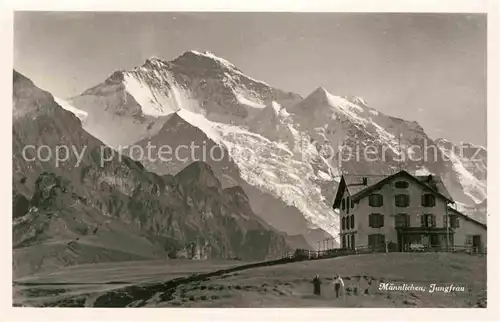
x: 210, y: 55
x: 200, y: 82
x: 322, y: 98
x: 206, y: 59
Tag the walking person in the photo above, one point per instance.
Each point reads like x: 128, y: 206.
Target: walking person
x: 338, y: 284
x: 317, y: 285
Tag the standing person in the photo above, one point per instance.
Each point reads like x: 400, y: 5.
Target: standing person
x: 317, y: 285
x: 338, y: 284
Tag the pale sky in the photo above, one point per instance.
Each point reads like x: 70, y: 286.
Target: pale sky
x: 429, y: 68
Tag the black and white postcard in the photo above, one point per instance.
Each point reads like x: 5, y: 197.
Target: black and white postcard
x: 302, y: 158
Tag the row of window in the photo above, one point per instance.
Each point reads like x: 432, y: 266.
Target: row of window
x: 401, y: 200
x: 346, y: 204
x: 348, y: 222
x: 403, y: 220
x: 348, y: 241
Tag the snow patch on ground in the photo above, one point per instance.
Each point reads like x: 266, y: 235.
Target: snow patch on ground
x: 245, y: 101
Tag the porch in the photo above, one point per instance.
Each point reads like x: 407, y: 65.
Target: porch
x: 424, y: 239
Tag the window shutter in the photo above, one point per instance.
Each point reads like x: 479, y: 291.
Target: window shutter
x: 370, y: 220
x: 402, y: 200
x: 422, y: 220
x: 375, y: 200
x: 422, y: 199
x: 433, y: 220
x: 381, y: 221
x: 402, y: 220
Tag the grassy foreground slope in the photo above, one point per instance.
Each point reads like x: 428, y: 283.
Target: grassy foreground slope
x: 64, y: 284
x: 289, y: 285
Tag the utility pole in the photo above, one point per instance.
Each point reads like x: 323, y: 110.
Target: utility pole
x: 400, y: 151
x: 447, y: 229
x: 339, y: 161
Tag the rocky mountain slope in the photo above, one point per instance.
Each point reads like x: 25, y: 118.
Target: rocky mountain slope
x: 100, y: 208
x: 470, y: 162
x: 284, y: 150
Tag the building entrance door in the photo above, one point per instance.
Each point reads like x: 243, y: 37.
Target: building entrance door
x: 401, y: 247
x: 434, y: 241
x: 476, y: 243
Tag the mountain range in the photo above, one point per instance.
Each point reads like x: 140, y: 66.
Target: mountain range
x: 266, y: 159
x: 111, y: 208
x: 289, y: 148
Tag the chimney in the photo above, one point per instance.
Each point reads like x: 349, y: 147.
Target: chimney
x: 365, y: 181
x: 429, y: 178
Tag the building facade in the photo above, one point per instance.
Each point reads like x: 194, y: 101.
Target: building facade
x: 399, y: 212
x: 470, y: 233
